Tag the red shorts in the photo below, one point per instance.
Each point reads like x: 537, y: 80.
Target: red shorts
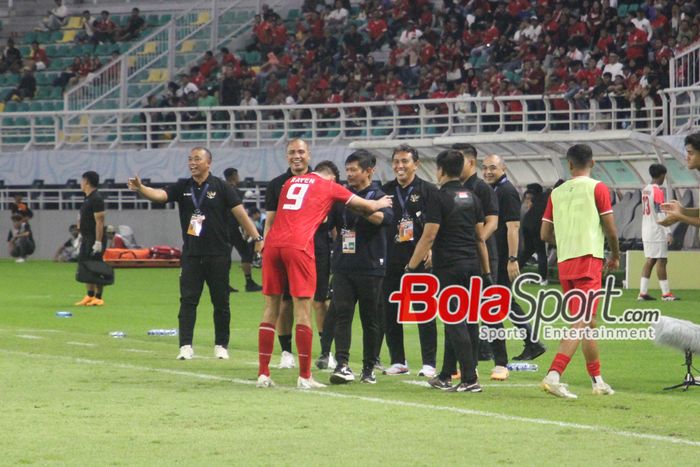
x: 584, y: 285
x: 288, y: 269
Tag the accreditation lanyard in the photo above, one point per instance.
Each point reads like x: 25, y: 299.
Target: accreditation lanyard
x: 348, y: 234
x: 197, y: 219
x: 405, y: 233
x: 500, y: 182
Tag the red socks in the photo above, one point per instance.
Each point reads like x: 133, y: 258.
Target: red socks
x: 593, y: 368
x: 560, y: 363
x: 266, y: 343
x: 304, y: 338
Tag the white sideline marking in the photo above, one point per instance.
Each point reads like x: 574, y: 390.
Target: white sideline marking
x: 81, y: 344
x: 27, y: 336
x: 377, y: 400
x: 425, y: 384
x: 139, y: 351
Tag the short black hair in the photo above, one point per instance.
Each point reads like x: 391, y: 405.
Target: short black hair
x: 657, y: 170
x: 693, y: 140
x: 328, y: 166
x: 92, y: 177
x: 535, y: 188
x: 228, y: 173
x: 451, y: 162
x: 580, y: 155
x: 466, y: 149
x: 207, y: 151
x: 72, y: 226
x: 406, y: 148
x: 363, y: 159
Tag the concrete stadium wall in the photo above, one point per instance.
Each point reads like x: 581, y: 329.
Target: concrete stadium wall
x: 158, y: 227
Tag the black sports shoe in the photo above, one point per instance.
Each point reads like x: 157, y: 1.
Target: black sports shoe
x: 232, y: 289
x: 438, y: 383
x: 466, y: 387
x: 252, y: 287
x: 322, y: 361
x: 342, y: 374
x: 645, y: 297
x: 368, y: 376
x: 531, y: 351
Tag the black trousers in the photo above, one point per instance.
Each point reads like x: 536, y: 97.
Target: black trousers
x: 349, y: 290
x: 497, y: 346
x: 461, y: 339
x: 427, y: 332
x: 534, y: 244
x: 194, y: 272
x: 515, y: 308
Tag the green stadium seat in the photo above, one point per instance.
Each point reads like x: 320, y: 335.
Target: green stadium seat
x: 632, y: 8
x: 56, y: 93
x: 253, y: 58
x: 164, y: 19
x: 293, y: 14
x: 35, y: 106
x: 29, y: 37
x: 12, y: 80
x: 622, y: 9
x: 44, y: 37
x: 55, y: 37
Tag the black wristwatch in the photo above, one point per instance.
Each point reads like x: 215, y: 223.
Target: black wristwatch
x: 512, y: 259
x: 408, y: 269
x: 258, y: 239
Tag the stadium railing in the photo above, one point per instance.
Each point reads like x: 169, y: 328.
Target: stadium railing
x: 676, y: 111
x: 116, y: 198
x: 684, y: 66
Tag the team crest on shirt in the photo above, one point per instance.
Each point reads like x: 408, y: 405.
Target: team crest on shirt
x: 211, y: 194
x: 414, y: 198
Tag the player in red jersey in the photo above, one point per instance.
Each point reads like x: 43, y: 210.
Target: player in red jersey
x: 288, y: 261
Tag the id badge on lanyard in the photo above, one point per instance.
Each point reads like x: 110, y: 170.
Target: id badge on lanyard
x: 348, y: 241
x: 197, y: 219
x: 405, y: 231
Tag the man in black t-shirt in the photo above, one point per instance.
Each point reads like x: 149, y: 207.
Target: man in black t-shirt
x: 416, y: 202
x: 507, y: 238
x: 92, y: 228
x: 244, y: 248
x: 455, y: 234
x: 205, y: 203
x: 530, y: 228
x: 20, y: 240
x: 359, y: 265
x: 496, y: 350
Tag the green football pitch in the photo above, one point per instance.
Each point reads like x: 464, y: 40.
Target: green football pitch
x: 71, y: 394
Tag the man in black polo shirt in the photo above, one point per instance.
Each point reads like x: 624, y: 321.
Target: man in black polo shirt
x: 489, y: 203
x: 205, y: 203
x: 92, y: 228
x: 415, y: 201
x: 244, y: 248
x: 455, y: 234
x: 359, y: 264
x: 507, y: 238
x: 298, y: 158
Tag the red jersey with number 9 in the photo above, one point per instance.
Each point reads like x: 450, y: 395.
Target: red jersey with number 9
x: 304, y: 202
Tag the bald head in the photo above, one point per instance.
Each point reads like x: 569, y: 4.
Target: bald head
x: 493, y: 168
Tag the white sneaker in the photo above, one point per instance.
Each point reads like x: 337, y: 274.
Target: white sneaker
x: 287, y: 360
x: 397, y: 369
x: 20, y: 260
x: 557, y: 389
x: 264, y: 382
x: 221, y: 352
x: 499, y: 373
x: 427, y: 371
x: 332, y: 363
x: 602, y: 389
x: 309, y: 383
x: 186, y: 353
x: 544, y: 283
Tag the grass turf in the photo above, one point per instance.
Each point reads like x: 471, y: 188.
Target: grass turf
x: 73, y: 395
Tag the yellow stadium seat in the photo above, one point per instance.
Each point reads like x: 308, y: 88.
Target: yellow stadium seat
x: 202, y: 18
x: 2, y: 107
x: 68, y: 36
x: 157, y: 75
x: 149, y: 48
x: 73, y: 23
x: 187, y: 46
x: 131, y: 60
x: 79, y: 133
x: 164, y: 75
